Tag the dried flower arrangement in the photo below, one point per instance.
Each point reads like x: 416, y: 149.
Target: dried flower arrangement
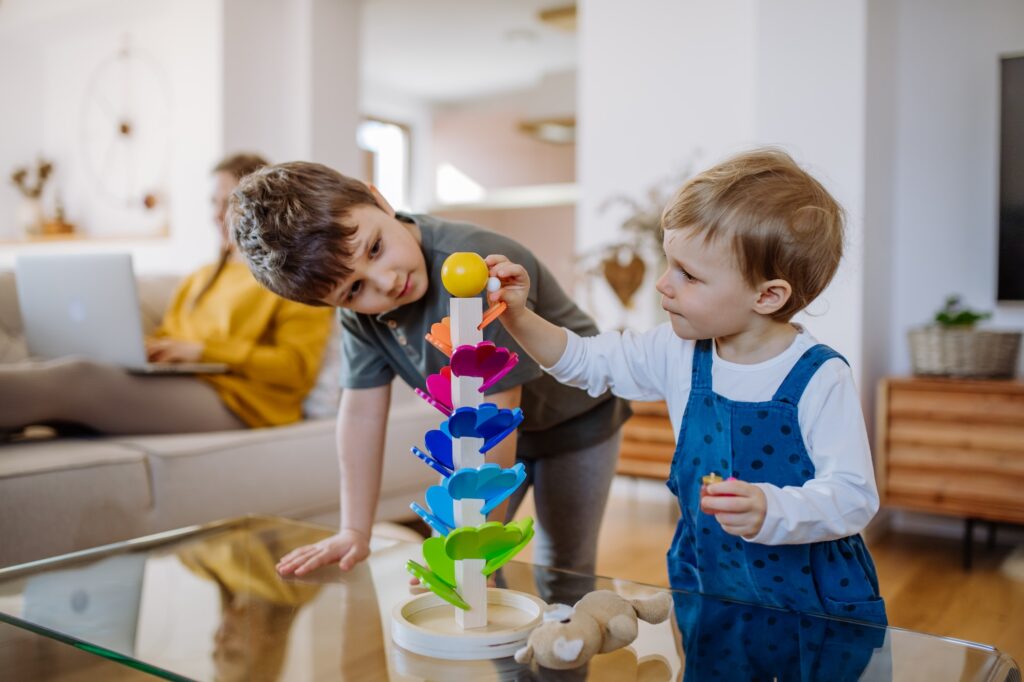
x: 624, y: 263
x: 20, y: 178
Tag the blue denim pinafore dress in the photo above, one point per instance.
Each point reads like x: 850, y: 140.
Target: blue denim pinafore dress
x: 759, y: 442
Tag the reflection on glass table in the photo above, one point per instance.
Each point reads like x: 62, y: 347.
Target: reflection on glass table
x: 205, y: 603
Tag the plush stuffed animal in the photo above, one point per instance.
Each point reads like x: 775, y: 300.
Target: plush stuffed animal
x: 600, y: 622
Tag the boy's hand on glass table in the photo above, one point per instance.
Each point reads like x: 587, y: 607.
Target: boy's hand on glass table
x: 347, y: 549
x: 738, y: 506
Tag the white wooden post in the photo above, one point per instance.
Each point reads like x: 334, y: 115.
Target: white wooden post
x: 466, y: 314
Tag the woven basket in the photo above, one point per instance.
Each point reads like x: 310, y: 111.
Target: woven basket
x: 954, y: 352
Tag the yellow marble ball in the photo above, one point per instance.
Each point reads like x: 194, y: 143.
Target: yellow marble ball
x: 464, y: 274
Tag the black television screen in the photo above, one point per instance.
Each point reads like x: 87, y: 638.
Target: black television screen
x: 1011, y: 180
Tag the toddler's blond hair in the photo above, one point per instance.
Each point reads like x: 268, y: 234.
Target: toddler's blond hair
x: 782, y: 222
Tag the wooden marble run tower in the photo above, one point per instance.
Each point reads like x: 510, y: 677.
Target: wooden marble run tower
x: 461, y: 617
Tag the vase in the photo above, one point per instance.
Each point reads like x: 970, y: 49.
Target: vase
x: 29, y: 217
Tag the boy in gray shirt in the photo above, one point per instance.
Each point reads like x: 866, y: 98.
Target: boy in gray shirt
x: 312, y: 235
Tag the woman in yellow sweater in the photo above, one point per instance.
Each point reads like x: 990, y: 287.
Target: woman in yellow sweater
x: 272, y: 347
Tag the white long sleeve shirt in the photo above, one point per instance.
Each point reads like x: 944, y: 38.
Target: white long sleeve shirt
x: 840, y: 499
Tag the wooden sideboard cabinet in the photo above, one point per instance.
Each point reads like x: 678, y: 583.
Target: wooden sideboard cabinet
x: 647, y: 442
x: 952, y: 446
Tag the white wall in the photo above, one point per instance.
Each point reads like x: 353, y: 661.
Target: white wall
x: 290, y: 79
x: 893, y: 105
x: 811, y: 59
x: 21, y: 126
x: 50, y: 60
x: 879, y: 196
x: 261, y: 79
x: 417, y: 115
x: 333, y: 81
x: 657, y: 81
x: 275, y: 76
x: 552, y: 96
x: 946, y: 166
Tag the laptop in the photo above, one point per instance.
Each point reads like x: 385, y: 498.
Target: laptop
x: 87, y: 305
x: 97, y: 602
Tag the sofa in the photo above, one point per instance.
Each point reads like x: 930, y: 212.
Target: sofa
x: 62, y: 494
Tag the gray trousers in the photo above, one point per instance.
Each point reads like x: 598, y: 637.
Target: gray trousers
x: 108, y: 399
x: 570, y: 490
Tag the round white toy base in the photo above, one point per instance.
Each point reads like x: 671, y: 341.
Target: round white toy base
x: 425, y: 624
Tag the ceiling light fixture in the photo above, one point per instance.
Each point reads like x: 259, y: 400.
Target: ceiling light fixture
x: 551, y: 130
x: 562, y: 18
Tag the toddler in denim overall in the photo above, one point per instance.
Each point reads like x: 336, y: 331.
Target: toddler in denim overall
x: 748, y: 244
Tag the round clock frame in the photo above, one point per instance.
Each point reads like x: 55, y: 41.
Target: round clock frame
x: 125, y: 133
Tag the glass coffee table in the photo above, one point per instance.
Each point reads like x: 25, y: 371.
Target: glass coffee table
x: 204, y: 603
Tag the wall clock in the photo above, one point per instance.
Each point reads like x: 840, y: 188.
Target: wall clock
x: 126, y: 134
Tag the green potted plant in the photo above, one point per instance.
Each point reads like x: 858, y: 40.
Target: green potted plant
x: 952, y: 345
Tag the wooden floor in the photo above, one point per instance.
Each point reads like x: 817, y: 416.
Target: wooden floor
x: 921, y: 578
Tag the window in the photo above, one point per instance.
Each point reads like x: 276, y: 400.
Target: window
x: 386, y: 165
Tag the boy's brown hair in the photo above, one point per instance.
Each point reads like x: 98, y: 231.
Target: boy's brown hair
x: 782, y: 222
x: 288, y: 222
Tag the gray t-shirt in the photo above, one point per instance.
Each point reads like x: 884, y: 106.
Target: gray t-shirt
x: 558, y: 418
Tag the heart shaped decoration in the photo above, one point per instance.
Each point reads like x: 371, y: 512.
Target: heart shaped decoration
x: 624, y: 278
x: 525, y: 526
x: 490, y: 483
x: 485, y: 541
x: 567, y: 650
x: 436, y: 585
x: 484, y: 360
x: 439, y: 390
x: 440, y: 336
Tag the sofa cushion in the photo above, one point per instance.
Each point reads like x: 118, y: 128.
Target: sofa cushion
x: 38, y: 457
x: 286, y: 470
x: 59, y: 496
x: 322, y: 400
x: 201, y: 477
x: 155, y: 293
x: 12, y: 335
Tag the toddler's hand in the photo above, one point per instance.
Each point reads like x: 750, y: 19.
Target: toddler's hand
x: 348, y: 548
x: 739, y: 507
x: 515, y: 283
